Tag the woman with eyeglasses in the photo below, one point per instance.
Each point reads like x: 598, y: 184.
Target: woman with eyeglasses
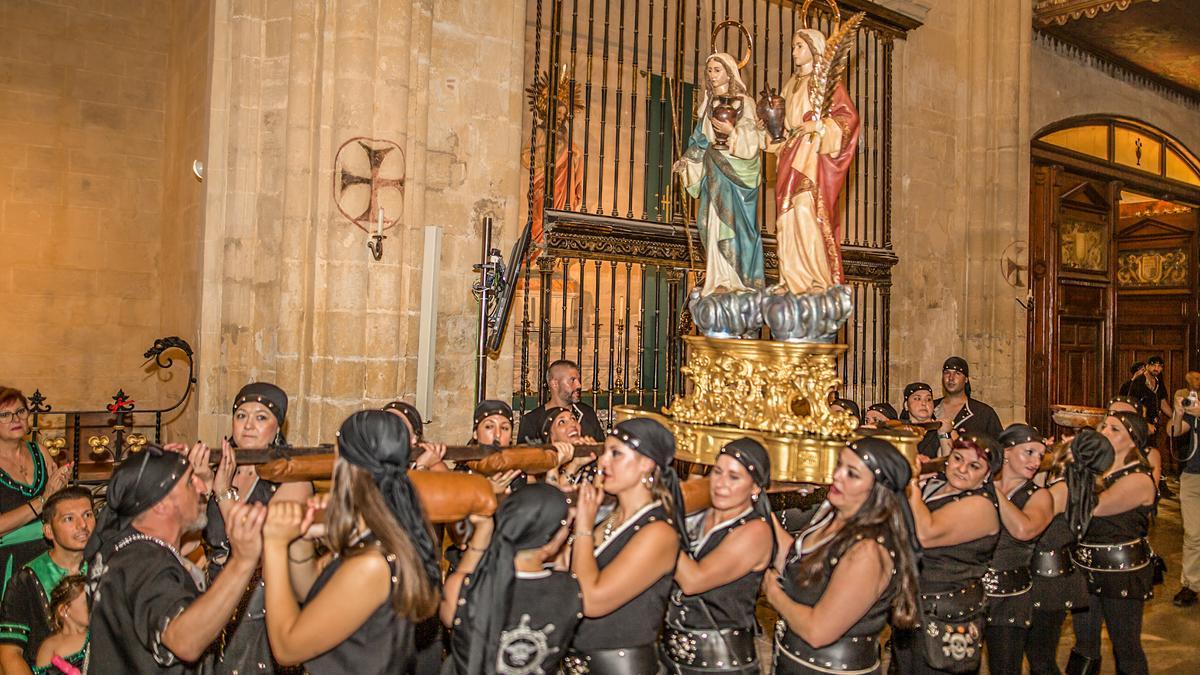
x: 958, y: 525
x: 28, y: 477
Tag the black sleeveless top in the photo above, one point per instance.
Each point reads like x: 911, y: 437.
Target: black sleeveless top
x: 1012, y: 553
x: 1058, y: 534
x: 731, y: 605
x: 949, y: 568
x: 546, y: 608
x: 1125, y: 526
x: 637, y: 622
x: 216, y: 539
x: 383, y: 644
x: 869, y: 624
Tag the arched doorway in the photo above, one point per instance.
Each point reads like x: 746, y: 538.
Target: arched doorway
x: 1112, y: 259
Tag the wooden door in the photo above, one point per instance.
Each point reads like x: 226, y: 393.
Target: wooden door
x: 1070, y: 318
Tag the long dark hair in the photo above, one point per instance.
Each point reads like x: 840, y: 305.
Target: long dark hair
x: 880, y: 516
x: 355, y: 494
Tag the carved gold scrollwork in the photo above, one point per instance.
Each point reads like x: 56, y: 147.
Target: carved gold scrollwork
x: 762, y: 385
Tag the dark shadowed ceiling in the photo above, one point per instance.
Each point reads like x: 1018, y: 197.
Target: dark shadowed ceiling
x: 1156, y: 39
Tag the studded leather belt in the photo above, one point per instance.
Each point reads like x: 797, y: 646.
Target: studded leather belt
x: 628, y: 661
x: 1124, y: 557
x: 701, y: 648
x: 1051, y: 564
x: 1005, y: 583
x: 848, y: 656
x: 954, y: 605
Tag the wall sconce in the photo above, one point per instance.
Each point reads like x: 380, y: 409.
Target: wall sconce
x: 376, y: 243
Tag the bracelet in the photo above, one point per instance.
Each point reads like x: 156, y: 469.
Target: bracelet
x: 476, y: 549
x: 35, y: 512
x: 302, y: 560
x: 588, y: 533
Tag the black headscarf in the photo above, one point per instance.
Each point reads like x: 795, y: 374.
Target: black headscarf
x: 959, y: 364
x: 1135, y: 425
x: 267, y: 394
x: 411, y: 414
x: 752, y: 455
x: 377, y: 442
x: 142, y: 480
x: 1091, y: 456
x: 884, y: 409
x: 1018, y: 433
x: 490, y: 407
x: 651, y: 439
x: 1128, y: 400
x: 528, y: 518
x: 548, y: 421
x: 849, y: 406
x: 892, y: 471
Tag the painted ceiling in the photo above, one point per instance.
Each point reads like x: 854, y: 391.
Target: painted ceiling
x: 1158, y: 38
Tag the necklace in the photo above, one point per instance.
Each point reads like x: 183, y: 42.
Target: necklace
x: 610, y: 523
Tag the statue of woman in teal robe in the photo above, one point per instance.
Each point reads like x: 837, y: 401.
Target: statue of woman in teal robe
x: 727, y: 183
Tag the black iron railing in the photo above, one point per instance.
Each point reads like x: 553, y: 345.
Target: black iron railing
x: 113, y: 430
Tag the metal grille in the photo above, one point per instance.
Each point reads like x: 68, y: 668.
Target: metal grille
x: 611, y: 104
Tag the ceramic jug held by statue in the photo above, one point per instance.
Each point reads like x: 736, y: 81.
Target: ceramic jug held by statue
x: 771, y: 112
x: 727, y: 112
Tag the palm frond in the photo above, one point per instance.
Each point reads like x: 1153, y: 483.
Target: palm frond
x: 829, y: 68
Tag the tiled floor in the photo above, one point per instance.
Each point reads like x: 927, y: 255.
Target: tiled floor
x: 1170, y: 636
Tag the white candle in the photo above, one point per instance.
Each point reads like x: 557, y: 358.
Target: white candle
x: 379, y: 225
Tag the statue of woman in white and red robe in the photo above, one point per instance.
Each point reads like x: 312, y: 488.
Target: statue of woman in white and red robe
x: 813, y: 162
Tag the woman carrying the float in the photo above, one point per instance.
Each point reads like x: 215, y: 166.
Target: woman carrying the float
x: 1058, y: 586
x: 852, y: 566
x: 509, y: 612
x: 1115, y: 554
x: 259, y: 413
x: 958, y: 525
x: 1025, y: 512
x: 352, y: 611
x: 710, y: 620
x: 625, y: 564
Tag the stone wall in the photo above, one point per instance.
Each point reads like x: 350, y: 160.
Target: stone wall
x: 290, y: 293
x: 1065, y: 85
x: 960, y: 195
x: 83, y: 95
x: 188, y: 72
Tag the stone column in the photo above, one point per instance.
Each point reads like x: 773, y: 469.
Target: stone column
x: 292, y: 294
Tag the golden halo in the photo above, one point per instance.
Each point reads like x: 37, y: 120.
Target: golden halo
x: 837, y: 15
x: 749, y: 40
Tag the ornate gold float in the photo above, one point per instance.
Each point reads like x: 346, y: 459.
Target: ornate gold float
x: 774, y: 392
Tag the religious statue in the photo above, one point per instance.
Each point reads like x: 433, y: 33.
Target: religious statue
x: 722, y: 168
x: 567, y: 172
x: 821, y: 128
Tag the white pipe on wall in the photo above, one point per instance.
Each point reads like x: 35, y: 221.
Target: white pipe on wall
x: 427, y: 336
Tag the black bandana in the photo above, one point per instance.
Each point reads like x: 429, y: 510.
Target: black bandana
x: 142, y: 480
x: 528, y: 518
x: 1128, y: 400
x: 490, y: 407
x: 267, y: 394
x: 548, y: 421
x: 914, y: 387
x: 884, y: 409
x: 849, y: 406
x: 958, y: 364
x: 377, y: 442
x: 893, y: 472
x: 1016, y: 434
x: 651, y: 439
x: 411, y: 414
x: 1091, y: 456
x: 1135, y: 425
